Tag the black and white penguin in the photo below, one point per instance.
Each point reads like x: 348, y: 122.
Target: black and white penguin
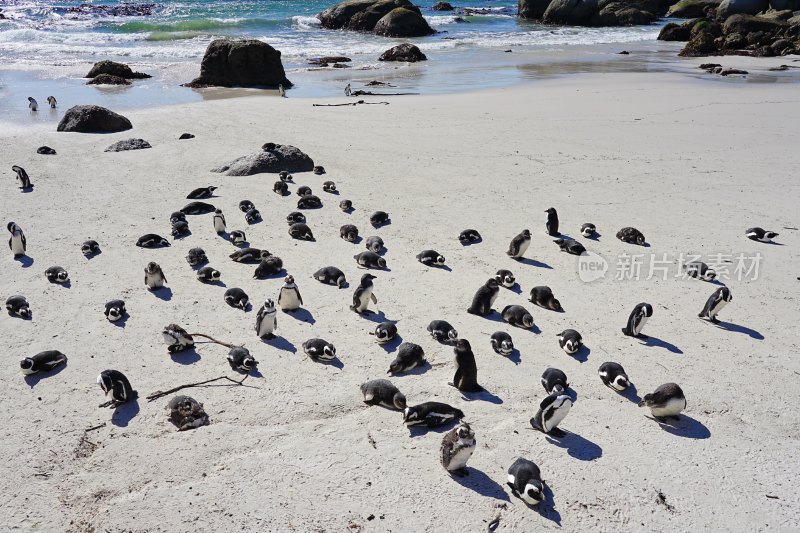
x: 570, y: 246
x: 42, y: 362
x: 115, y: 383
x: 319, y: 349
x: 197, y: 208
x: 383, y: 392
x: 346, y: 205
x: 196, y: 256
x: 284, y: 175
x: 295, y: 217
x: 267, y: 320
x: 115, y: 309
x: 384, y: 332
x: 56, y: 274
x: 430, y: 258
x: 613, y: 375
x: 348, y: 232
x: 700, y: 270
x: 570, y: 341
x: 466, y: 376
x: 718, y: 299
x: 252, y: 216
x: 180, y: 229
x: 33, y: 105
x: 246, y: 205
x: 237, y: 237
x: 176, y: 338
x: 280, y: 188
x: 177, y: 216
x: 208, y: 274
x: 51, y: 100
x: 219, y: 222
x: 309, y: 202
x: 667, y: 401
x: 301, y: 232
x: 374, y: 244
x: 22, y: 177
x: 554, y: 380
x: 443, y: 331
x: 457, y: 447
x: 379, y: 218
x: 526, y: 481
x: 370, y: 259
x: 304, y: 190
x: 240, y: 360
x: 631, y: 236
x: 289, y: 296
x: 186, y: 413
x: 151, y: 240
x: 269, y: 266
x: 363, y: 295
x: 505, y: 278
x: 319, y: 170
x: 330, y: 187
x: 331, y: 275
x: 201, y: 193
x: 542, y: 296
x: 517, y: 316
x: 760, y: 234
x: 154, y: 277
x: 588, y: 230
x: 637, y: 320
x: 519, y: 245
x: 236, y: 298
x: 90, y: 248
x: 409, y: 357
x: 431, y: 414
x: 469, y: 236
x: 502, y: 343
x: 484, y: 298
x: 17, y: 305
x: 552, y: 222
x: 18, y: 244
x: 249, y: 255
x: 552, y: 411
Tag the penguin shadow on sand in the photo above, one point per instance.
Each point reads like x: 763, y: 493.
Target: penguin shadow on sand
x: 302, y: 314
x: 483, y: 396
x: 24, y: 261
x: 655, y: 342
x: 280, y: 343
x: 254, y: 373
x: 516, y: 289
x: 188, y: 356
x: 358, y: 240
x: 630, y: 393
x: 335, y: 363
x: 164, y: 293
x: 576, y: 446
x: 595, y: 236
x: 533, y: 262
x: 419, y: 431
x: 33, y: 379
x: 393, y: 344
x: 124, y: 413
x: 515, y: 357
x: 67, y: 284
x: 683, y: 426
x: 547, y: 507
x: 477, y: 481
x: 120, y: 322
x: 215, y: 283
x: 374, y: 316
x: 582, y: 355
x: 728, y: 326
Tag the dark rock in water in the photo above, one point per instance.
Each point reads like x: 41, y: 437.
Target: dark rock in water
x: 93, y: 119
x: 113, y: 68
x: 442, y: 6
x: 376, y: 83
x: 280, y: 157
x: 624, y: 53
x: 570, y: 12
x: 394, y: 18
x: 402, y: 22
x: 45, y: 150
x: 340, y: 65
x: 121, y: 10
x: 322, y: 61
x: 107, y: 79
x: 731, y: 72
x: 532, y: 9
x: 403, y: 52
x: 709, y: 66
x: 186, y: 413
x: 691, y: 9
x: 461, y: 20
x: 676, y: 32
x: 185, y: 136
x: 243, y: 63
x: 128, y: 144
x: 598, y: 12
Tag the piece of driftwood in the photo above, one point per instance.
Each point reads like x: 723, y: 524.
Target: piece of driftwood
x: 159, y: 394
x: 351, y: 104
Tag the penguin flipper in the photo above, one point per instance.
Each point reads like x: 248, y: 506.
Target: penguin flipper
x: 374, y: 298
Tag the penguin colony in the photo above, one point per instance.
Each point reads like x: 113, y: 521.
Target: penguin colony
x: 460, y: 442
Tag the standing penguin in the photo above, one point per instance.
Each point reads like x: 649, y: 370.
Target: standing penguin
x: 519, y: 245
x: 33, y: 105
x: 115, y: 382
x: 526, y: 481
x: 289, y: 298
x: 554, y: 380
x: 219, y: 222
x: 667, y: 401
x: 718, y: 299
x: 552, y: 222
x: 42, y: 362
x: 267, y: 320
x: 176, y: 338
x: 484, y: 298
x: 22, y: 177
x: 613, y: 375
x: 17, y: 243
x: 363, y: 295
x: 637, y: 320
x: 456, y: 449
x: 551, y: 412
x: 52, y: 101
x: 154, y: 277
x: 466, y: 376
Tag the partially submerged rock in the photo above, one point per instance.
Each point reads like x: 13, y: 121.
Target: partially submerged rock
x: 185, y: 136
x: 93, y: 119
x: 325, y: 61
x: 107, y: 79
x: 394, y: 18
x: 112, y: 68
x: 273, y: 160
x: 241, y: 63
x: 186, y: 413
x: 403, y: 52
x: 128, y: 144
x: 442, y: 6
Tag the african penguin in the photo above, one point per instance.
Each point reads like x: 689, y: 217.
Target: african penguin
x: 382, y: 392
x: 249, y: 255
x: 196, y: 256
x: 331, y: 275
x: 154, y: 277
x: 374, y: 244
x: 384, y: 332
x: 252, y: 216
x: 280, y: 188
x: 519, y: 245
x: 571, y: 247
x: 348, y: 232
x: 554, y: 380
x: 240, y: 360
x: 180, y: 229
x: 42, y: 362
x: 457, y: 447
x: 570, y: 341
x: 666, y: 401
x: 631, y: 236
x: 56, y: 274
x: 294, y: 217
x: 368, y: 259
x: 443, y: 331
x: 114, y: 310
x: 236, y: 298
x: 409, y: 357
x: 700, y: 270
x: 304, y: 190
x: 237, y: 237
x: 319, y: 350
x: 301, y: 232
x: 430, y: 258
x: 219, y: 222
x: 543, y: 297
x: 267, y: 320
x: 246, y: 205
x: 52, y: 101
x: 430, y: 414
x: 552, y: 222
x: 90, y: 248
x: 469, y: 236
x: 269, y: 266
x: 330, y: 187
x: 115, y: 383
x: 18, y: 244
x: 17, y: 305
x: 289, y: 296
x: 33, y: 105
x: 176, y: 338
x: 186, y: 413
x: 208, y: 274
x: 760, y: 234
x: 201, y: 193
x: 588, y: 230
x: 637, y: 320
x: 613, y: 375
x: 526, y: 481
x: 718, y: 299
x: 379, y: 218
x: 309, y: 202
x: 22, y: 177
x: 466, y: 376
x: 517, y: 316
x: 177, y: 216
x: 284, y: 175
x: 484, y: 298
x: 346, y: 205
x: 505, y: 278
x: 363, y: 295
x: 151, y: 240
x: 197, y: 208
x: 319, y: 170
x: 502, y: 343
x: 551, y: 412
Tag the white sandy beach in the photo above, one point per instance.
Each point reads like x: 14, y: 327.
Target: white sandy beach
x: 690, y: 163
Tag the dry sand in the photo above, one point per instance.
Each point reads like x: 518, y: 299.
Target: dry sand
x: 692, y: 164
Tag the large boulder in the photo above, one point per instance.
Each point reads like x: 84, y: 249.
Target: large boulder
x: 691, y: 9
x: 570, y: 12
x: 121, y: 70
x: 532, y: 9
x: 338, y: 15
x: 243, y: 63
x: 676, y: 32
x: 273, y: 159
x: 405, y: 52
x: 128, y: 144
x: 93, y: 119
x: 748, y: 7
x: 621, y: 14
x: 745, y: 24
x: 402, y: 22
x: 701, y: 44
x: 442, y: 6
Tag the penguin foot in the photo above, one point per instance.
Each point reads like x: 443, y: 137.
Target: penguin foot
x: 715, y: 320
x: 461, y: 472
x: 109, y: 403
